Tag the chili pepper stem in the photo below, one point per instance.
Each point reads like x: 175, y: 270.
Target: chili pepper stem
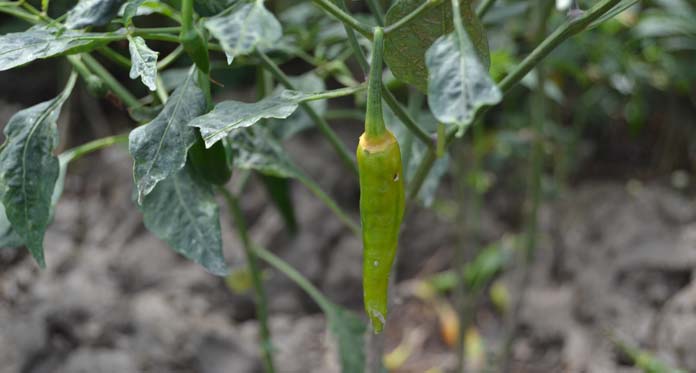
x: 374, y: 122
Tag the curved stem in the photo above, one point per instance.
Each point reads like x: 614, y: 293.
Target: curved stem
x: 295, y: 276
x: 115, y: 56
x: 170, y: 58
x: 344, y: 17
x: 113, y: 84
x: 92, y: 146
x: 324, y: 127
x: 406, y: 118
x: 411, y: 16
x: 256, y: 278
x: 484, y: 7
x: 329, y: 202
x: 335, y: 93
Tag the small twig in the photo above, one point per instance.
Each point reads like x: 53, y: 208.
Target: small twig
x: 344, y: 17
x: 324, y: 127
x: 266, y: 344
x: 427, y: 4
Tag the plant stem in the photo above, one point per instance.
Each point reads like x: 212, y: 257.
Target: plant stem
x: 324, y: 127
x: 115, y: 56
x: 295, y: 276
x: 484, y: 7
x: 564, y: 32
x: 116, y: 87
x: 266, y: 344
x: 388, y: 97
x: 92, y: 146
x: 335, y: 93
x: 171, y: 57
x: 406, y: 118
x: 347, y: 19
x: 411, y: 16
x: 374, y: 118
x: 537, y: 117
x: 329, y: 202
x: 377, y: 11
x: 19, y: 13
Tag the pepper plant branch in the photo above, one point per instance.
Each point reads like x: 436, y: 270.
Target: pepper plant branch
x: 295, y: 276
x: 92, y: 146
x: 170, y: 58
x: 561, y: 34
x: 388, y: 97
x: 115, y: 56
x: 256, y: 278
x: 334, y: 93
x: 108, y: 79
x: 427, y: 4
x: 347, y: 19
x: 14, y: 11
x: 483, y: 8
x: 377, y: 11
x: 324, y: 127
x: 329, y: 202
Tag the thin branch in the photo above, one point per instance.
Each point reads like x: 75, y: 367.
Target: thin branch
x: 344, y: 17
x: 266, y: 345
x: 324, y: 127
x: 411, y: 16
x: 108, y: 79
x: 484, y: 7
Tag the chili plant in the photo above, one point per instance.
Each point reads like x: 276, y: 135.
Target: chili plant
x: 187, y: 144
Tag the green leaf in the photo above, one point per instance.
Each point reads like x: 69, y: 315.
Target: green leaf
x: 181, y: 210
x: 228, y: 116
x: 300, y: 120
x: 254, y: 148
x: 143, y: 62
x: 8, y: 236
x: 159, y: 148
x: 41, y: 42
x: 459, y: 84
x: 245, y: 28
x: 29, y: 170
x: 404, y: 49
x: 92, y: 13
x: 348, y: 329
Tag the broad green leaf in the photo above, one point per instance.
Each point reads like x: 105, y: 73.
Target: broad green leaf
x: 41, y: 42
x: 228, y: 116
x: 413, y: 150
x: 143, y: 62
x: 159, y: 148
x: 404, y: 49
x: 29, y: 171
x: 245, y: 28
x: 181, y: 210
x: 459, y: 84
x: 92, y: 13
x: 349, y: 330
x: 300, y: 120
x: 254, y: 148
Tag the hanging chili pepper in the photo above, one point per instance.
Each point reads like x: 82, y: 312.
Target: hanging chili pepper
x: 381, y: 195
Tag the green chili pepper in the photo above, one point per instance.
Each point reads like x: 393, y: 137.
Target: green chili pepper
x: 196, y: 47
x: 381, y: 195
x: 213, y: 164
